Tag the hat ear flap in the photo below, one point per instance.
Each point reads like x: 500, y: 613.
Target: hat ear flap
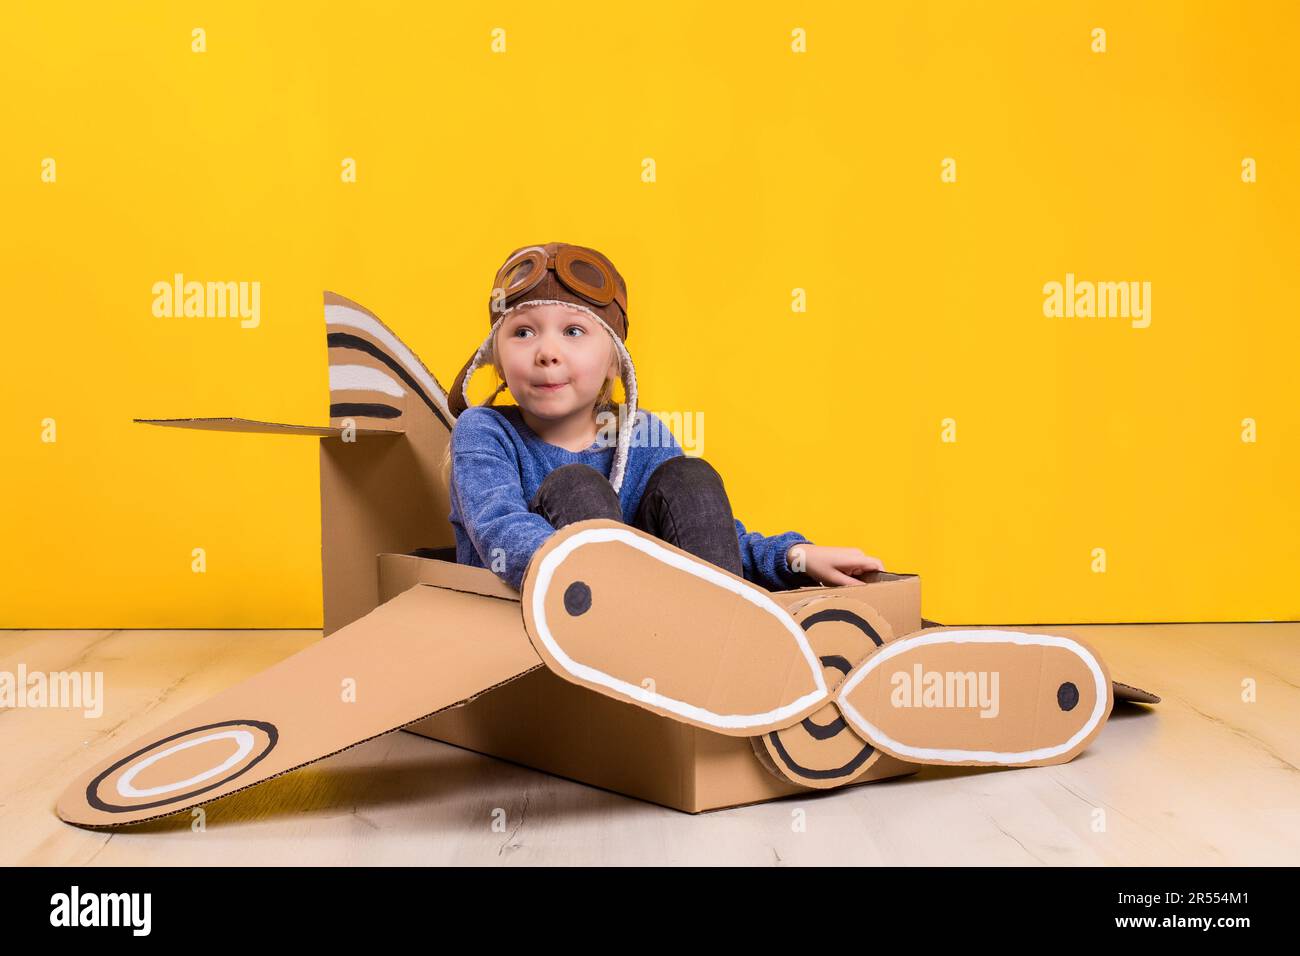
x: 484, y: 354
x: 490, y: 360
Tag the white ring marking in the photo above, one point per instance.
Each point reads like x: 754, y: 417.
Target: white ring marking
x: 244, y: 738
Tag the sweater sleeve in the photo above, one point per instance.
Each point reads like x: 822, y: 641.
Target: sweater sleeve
x: 764, y: 559
x: 491, y: 502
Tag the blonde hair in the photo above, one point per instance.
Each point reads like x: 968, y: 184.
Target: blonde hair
x: 604, y: 401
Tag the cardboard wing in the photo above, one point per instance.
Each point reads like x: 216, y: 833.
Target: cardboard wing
x: 427, y: 649
x: 252, y: 426
x: 381, y: 481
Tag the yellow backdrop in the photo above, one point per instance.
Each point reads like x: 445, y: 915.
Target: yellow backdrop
x: 921, y: 172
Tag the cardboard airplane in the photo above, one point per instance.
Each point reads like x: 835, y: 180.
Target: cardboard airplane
x: 625, y: 662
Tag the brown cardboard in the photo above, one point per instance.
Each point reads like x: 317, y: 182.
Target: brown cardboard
x: 256, y: 427
x: 625, y: 614
x: 1136, y: 694
x: 377, y: 498
x: 823, y: 751
x: 424, y: 650
x: 630, y: 616
x: 979, y: 697
x: 546, y: 722
x: 427, y: 649
x: 419, y: 636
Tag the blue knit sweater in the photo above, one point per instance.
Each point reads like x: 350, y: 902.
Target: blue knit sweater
x: 498, y: 463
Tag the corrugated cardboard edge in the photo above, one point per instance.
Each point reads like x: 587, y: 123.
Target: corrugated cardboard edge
x: 1133, y: 694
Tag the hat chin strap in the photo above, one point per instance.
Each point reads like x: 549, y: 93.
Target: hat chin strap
x: 627, y: 374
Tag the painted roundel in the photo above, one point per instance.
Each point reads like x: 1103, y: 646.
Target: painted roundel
x: 182, y: 766
x: 822, y: 750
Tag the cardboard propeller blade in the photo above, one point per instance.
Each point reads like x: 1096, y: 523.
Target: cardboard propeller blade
x: 979, y: 698
x: 427, y: 649
x: 628, y: 615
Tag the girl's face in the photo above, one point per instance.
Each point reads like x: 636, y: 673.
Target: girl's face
x: 555, y: 359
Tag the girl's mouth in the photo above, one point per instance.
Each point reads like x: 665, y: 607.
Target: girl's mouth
x: 552, y: 388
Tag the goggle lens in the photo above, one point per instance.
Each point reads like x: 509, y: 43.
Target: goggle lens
x: 580, y: 273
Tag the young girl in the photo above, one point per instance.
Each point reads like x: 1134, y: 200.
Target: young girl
x: 559, y: 319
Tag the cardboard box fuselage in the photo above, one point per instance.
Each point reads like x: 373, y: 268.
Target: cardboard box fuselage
x: 543, y: 721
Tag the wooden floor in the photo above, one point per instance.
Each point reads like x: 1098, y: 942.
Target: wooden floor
x: 1201, y: 778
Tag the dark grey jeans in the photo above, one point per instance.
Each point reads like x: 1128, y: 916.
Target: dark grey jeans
x: 684, y: 503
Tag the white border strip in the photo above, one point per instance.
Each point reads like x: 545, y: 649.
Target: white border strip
x: 243, y: 746
x: 363, y: 378
x: 546, y: 570
x: 345, y: 316
x: 894, y: 648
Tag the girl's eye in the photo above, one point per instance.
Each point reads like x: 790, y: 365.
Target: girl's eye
x: 519, y: 332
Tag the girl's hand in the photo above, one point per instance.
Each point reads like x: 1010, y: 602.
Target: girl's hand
x: 831, y: 566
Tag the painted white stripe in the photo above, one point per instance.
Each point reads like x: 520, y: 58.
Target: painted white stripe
x: 363, y: 378
x: 894, y: 648
x: 551, y: 562
x: 350, y: 318
x: 243, y: 737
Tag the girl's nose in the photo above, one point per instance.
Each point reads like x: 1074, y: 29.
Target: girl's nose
x: 548, y: 350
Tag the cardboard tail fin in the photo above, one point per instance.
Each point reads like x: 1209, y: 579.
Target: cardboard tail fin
x: 375, y: 379
x: 424, y: 651
x: 393, y: 498
x: 376, y: 497
x: 377, y: 384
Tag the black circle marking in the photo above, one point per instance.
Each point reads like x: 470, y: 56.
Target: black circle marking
x: 1067, y: 696
x: 92, y: 790
x: 843, y: 771
x: 826, y: 731
x: 837, y: 661
x: 577, y: 598
x: 847, y: 617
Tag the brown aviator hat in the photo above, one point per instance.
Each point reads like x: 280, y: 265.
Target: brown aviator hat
x: 559, y: 273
